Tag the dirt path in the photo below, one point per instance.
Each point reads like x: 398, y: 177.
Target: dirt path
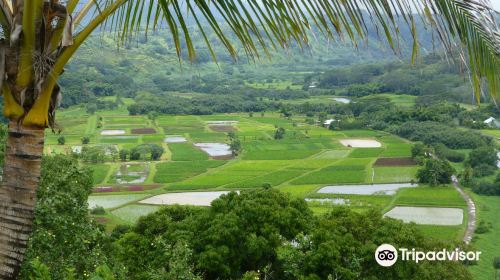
x: 471, y: 210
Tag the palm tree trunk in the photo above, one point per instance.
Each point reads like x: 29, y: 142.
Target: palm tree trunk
x: 21, y: 175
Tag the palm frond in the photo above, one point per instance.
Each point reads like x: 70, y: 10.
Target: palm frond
x: 473, y: 23
x: 6, y: 15
x: 261, y: 25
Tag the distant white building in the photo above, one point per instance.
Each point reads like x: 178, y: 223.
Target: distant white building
x: 76, y: 149
x: 492, y: 122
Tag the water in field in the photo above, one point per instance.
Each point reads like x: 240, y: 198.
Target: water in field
x: 132, y: 174
x: 360, y: 143
x: 113, y: 132
x: 342, y: 100
x: 112, y: 201
x: 427, y: 215
x: 214, y: 149
x: 379, y: 189
x: 221, y: 122
x: 175, y: 139
x: 337, y: 201
x: 123, y: 137
x: 186, y: 198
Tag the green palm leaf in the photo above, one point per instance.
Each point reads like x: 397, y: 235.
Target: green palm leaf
x: 259, y: 26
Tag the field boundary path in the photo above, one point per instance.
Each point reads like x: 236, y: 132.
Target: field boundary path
x: 471, y: 210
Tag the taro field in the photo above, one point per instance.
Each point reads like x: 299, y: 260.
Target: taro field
x: 308, y: 159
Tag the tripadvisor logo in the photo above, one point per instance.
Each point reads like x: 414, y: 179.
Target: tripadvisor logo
x: 386, y: 255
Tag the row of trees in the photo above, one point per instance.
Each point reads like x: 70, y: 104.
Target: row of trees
x: 103, y: 153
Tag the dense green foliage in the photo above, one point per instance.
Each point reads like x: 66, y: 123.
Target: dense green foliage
x: 432, y: 132
x: 435, y: 172
x: 487, y: 187
x: 64, y: 239
x: 146, y: 152
x: 266, y: 232
x: 427, y: 77
x: 482, y: 156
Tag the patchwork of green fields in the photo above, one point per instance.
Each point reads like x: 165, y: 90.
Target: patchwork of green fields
x: 308, y: 155
x: 186, y: 152
x: 308, y: 158
x: 346, y: 171
x: 393, y: 174
x: 430, y: 196
x: 99, y: 172
x: 131, y: 213
x: 169, y: 172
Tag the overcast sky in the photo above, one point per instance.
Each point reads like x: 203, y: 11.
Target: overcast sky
x: 496, y: 4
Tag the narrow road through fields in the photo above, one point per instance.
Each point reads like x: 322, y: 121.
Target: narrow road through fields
x: 471, y: 210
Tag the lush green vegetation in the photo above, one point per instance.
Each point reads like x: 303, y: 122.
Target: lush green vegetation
x: 99, y: 172
x: 64, y: 239
x: 425, y: 196
x: 277, y: 111
x: 487, y: 241
x: 186, y: 152
x: 218, y: 240
x: 170, y: 172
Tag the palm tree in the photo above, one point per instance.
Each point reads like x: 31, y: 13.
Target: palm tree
x: 40, y: 37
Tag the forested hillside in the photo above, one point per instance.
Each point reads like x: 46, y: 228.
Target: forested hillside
x: 149, y: 65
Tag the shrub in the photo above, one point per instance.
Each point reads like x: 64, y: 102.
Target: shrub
x: 484, y: 170
x: 279, y: 134
x: 61, y: 140
x: 483, y: 227
x: 98, y: 210
x: 486, y: 188
x: 85, y: 140
x: 118, y: 231
x: 447, y: 153
x: 483, y: 155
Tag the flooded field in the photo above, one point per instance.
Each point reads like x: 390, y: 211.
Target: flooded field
x: 112, y: 201
x: 361, y: 143
x: 132, y: 174
x: 214, y: 149
x: 342, y: 100
x: 427, y: 215
x: 113, y: 132
x: 186, y: 198
x: 175, y: 139
x: 379, y: 189
x: 221, y: 122
x: 336, y: 201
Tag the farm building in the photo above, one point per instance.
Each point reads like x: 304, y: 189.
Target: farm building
x: 492, y: 122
